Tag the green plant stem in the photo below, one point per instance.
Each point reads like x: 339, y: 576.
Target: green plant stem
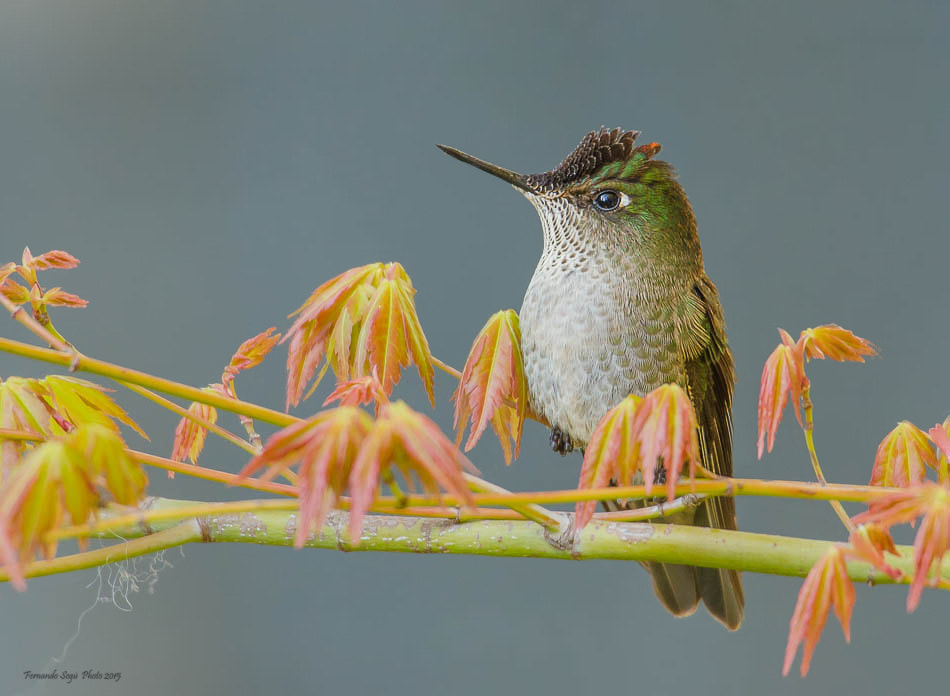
x: 210, y: 474
x: 802, y: 490
x: 652, y: 512
x: 761, y: 553
x: 185, y: 413
x: 445, y: 367
x: 102, y: 368
x: 170, y: 537
x: 809, y: 429
x: 531, y: 511
x: 19, y: 314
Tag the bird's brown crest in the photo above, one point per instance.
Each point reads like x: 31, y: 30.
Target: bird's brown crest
x: 597, y: 149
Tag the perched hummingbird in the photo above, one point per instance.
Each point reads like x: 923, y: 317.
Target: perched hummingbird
x: 620, y: 303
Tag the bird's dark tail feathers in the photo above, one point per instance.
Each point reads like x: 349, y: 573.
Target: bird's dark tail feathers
x: 680, y: 587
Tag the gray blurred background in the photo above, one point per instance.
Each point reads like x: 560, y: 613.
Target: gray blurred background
x: 212, y: 162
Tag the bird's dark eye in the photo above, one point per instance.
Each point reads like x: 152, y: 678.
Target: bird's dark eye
x: 607, y: 200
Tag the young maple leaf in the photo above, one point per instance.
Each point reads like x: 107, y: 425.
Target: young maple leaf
x: 832, y: 341
x: 190, y: 435
x: 104, y: 450
x: 51, y: 259
x: 32, y: 502
x: 782, y: 376
x: 13, y: 291
x: 343, y: 448
x: 613, y: 453
x: 58, y: 477
x: 901, y: 457
x: 391, y: 337
x: 325, y: 446
x: 363, y: 318
x: 57, y: 297
x: 362, y: 390
x: 664, y: 426
x: 313, y: 334
x: 414, y: 445
x: 931, y: 501
x: 24, y: 405
x: 869, y: 542
x: 931, y: 543
x: 940, y: 434
x: 493, y: 378
x: 27, y: 269
x: 83, y: 402
x: 635, y: 437
x: 826, y: 585
x: 250, y: 354
x: 6, y: 270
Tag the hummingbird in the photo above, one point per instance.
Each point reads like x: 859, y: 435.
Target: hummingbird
x: 620, y: 304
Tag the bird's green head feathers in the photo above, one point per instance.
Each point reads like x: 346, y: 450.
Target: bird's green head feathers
x: 606, y: 173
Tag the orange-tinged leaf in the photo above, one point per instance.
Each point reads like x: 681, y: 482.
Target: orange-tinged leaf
x: 338, y: 347
x: 190, y: 435
x: 25, y: 268
x: 493, y: 378
x: 931, y: 501
x: 390, y: 337
x: 363, y: 390
x: 325, y: 447
x: 375, y: 451
x: 508, y: 424
x: 429, y: 454
x: 782, y: 377
x: 363, y: 319
x: 931, y: 543
x: 901, y: 457
x: 939, y: 434
x: 344, y: 447
x: 832, y: 341
x: 418, y: 343
x: 85, y: 402
x: 52, y: 259
x: 665, y: 428
x: 59, y: 297
x: 826, y: 585
x: 13, y: 291
x: 326, y: 467
x: 612, y: 453
x: 896, y: 508
x: 250, y: 354
x: 382, y: 338
x: 316, y: 318
x: 6, y: 270
x: 869, y: 542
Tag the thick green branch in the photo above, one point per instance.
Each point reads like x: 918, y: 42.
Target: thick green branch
x: 761, y: 553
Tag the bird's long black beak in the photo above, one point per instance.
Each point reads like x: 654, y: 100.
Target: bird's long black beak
x: 514, y: 178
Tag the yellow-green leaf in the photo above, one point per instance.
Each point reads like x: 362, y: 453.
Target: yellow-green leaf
x: 86, y: 402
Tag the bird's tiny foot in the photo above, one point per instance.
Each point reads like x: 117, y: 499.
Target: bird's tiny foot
x: 561, y: 442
